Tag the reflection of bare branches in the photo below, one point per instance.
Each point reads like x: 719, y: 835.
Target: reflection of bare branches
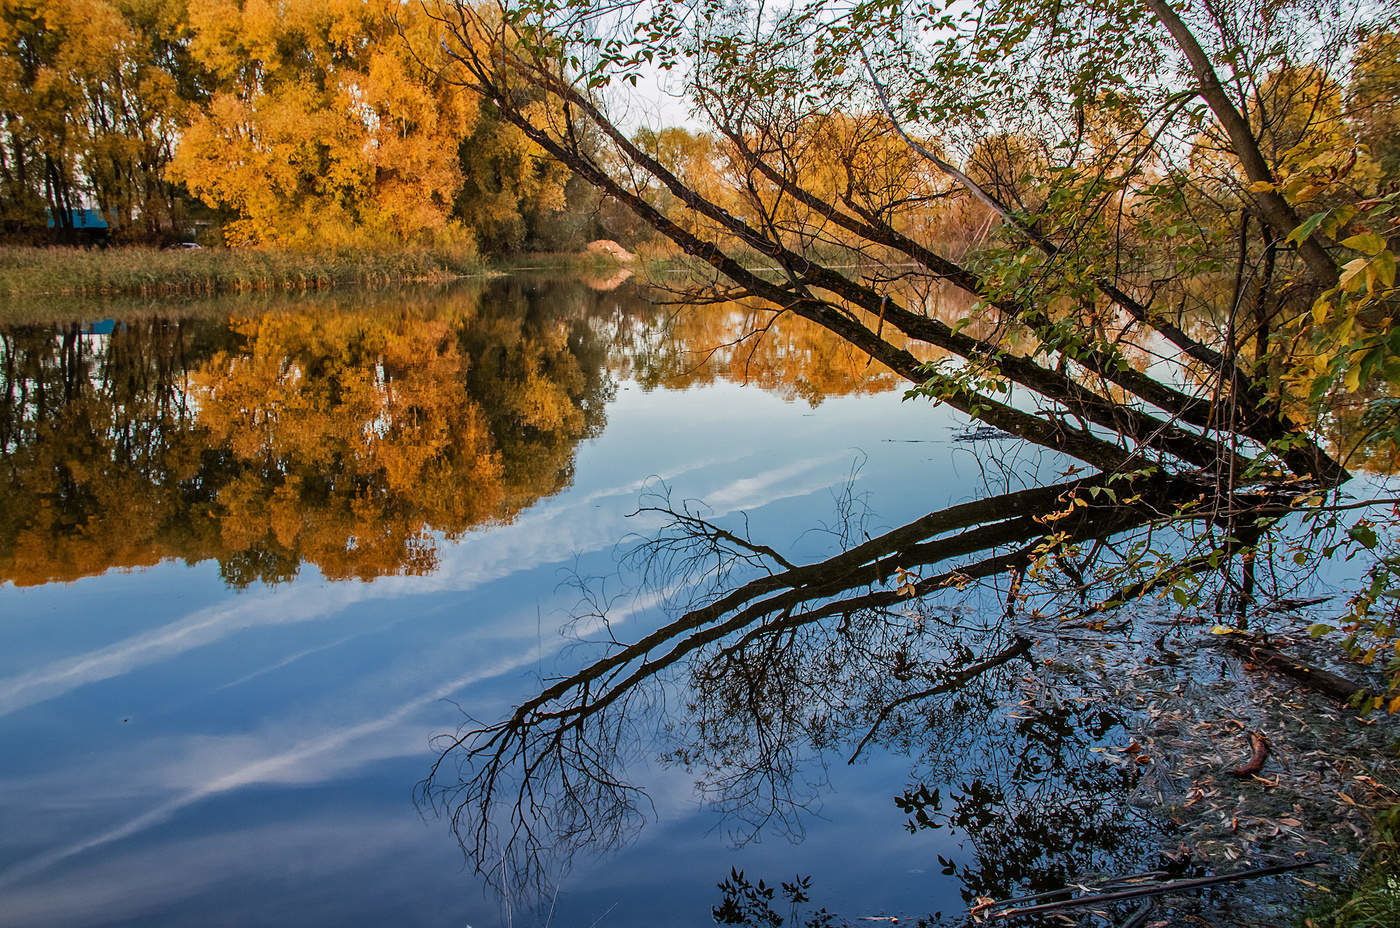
x: 690, y: 546
x: 852, y: 510
x: 1018, y: 648
x: 795, y: 659
x: 763, y: 710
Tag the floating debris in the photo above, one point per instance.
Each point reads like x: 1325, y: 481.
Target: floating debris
x: 981, y: 433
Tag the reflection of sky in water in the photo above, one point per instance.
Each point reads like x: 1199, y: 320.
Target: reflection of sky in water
x: 275, y: 734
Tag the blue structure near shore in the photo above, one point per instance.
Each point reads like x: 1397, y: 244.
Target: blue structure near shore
x: 85, y: 227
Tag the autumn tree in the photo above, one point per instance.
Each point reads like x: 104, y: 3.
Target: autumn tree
x: 1374, y: 99
x: 321, y: 124
x: 1115, y: 196
x: 509, y: 191
x: 1184, y: 264
x: 336, y: 124
x: 94, y: 96
x: 308, y: 124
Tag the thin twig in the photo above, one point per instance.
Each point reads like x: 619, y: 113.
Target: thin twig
x: 1156, y: 890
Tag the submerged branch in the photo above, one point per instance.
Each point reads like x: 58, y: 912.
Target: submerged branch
x: 1020, y: 648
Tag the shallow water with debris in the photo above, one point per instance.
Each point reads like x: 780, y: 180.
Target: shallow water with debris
x: 1192, y: 708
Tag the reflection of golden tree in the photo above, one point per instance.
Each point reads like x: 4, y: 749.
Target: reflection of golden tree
x: 350, y: 436
x: 540, y: 379
x: 100, y: 453
x: 1357, y: 434
x: 344, y: 438
x: 787, y: 355
x: 792, y: 357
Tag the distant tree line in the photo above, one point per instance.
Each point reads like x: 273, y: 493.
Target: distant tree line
x: 289, y: 123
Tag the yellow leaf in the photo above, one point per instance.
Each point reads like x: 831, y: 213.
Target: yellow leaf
x: 1383, y: 267
x: 1261, y: 186
x: 1351, y: 270
x: 1368, y: 243
x: 1320, y: 309
x: 1338, y: 218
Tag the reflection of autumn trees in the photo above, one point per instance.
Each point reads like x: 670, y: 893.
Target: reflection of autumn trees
x: 542, y: 383
x: 1353, y: 428
x: 103, y: 460
x: 344, y: 439
x: 786, y: 354
x: 347, y: 438
x: 346, y: 435
x: 791, y: 356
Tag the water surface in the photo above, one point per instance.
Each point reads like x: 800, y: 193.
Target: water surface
x: 255, y: 558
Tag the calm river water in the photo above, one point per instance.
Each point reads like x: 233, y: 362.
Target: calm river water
x: 255, y: 557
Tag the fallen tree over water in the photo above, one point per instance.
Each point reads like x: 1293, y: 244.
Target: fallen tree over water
x: 1060, y: 221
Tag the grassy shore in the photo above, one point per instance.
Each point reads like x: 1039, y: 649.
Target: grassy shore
x: 30, y: 273
x: 1371, y: 899
x: 48, y: 285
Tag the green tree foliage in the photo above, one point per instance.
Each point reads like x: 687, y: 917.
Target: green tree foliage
x: 509, y: 193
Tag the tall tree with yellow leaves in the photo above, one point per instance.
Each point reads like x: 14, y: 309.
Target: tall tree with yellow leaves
x: 93, y: 95
x: 323, y: 127
x: 335, y: 123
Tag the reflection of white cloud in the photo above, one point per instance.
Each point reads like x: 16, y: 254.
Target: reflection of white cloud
x: 589, y: 497
x: 124, y: 888
x: 538, y: 537
x: 284, y: 766
x: 203, y: 627
x: 312, y: 759
x: 767, y: 488
x: 288, y: 661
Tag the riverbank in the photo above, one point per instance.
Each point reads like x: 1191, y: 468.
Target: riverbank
x: 28, y: 273
x: 1195, y: 713
x: 1373, y: 897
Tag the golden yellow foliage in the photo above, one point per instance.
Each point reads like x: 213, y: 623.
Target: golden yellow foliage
x: 93, y: 95
x: 339, y: 123
x: 325, y: 126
